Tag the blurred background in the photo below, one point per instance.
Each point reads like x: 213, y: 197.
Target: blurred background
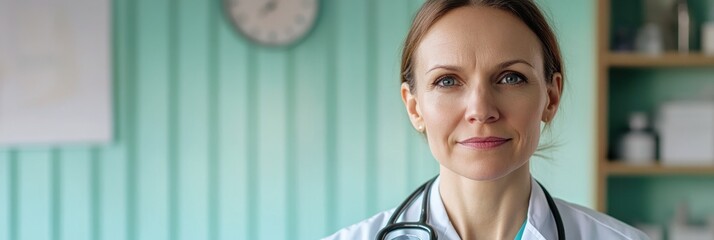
x: 218, y: 131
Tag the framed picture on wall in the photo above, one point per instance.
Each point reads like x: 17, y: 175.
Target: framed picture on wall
x: 55, y: 72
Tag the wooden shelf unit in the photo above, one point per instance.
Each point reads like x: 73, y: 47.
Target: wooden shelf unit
x: 670, y: 59
x: 622, y: 169
x: 607, y: 60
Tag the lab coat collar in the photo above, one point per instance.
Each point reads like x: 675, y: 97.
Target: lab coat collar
x: 439, y: 219
x: 540, y: 222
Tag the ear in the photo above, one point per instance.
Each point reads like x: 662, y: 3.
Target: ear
x: 412, y: 106
x: 555, y: 89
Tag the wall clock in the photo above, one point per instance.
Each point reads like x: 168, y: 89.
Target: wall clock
x: 273, y: 22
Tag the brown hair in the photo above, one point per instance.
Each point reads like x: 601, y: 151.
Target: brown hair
x: 526, y: 10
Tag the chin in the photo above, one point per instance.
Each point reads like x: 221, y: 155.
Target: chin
x: 485, y: 170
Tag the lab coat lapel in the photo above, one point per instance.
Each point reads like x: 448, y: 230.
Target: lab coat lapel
x: 540, y: 223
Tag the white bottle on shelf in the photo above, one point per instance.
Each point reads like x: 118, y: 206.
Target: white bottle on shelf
x: 684, y: 22
x: 708, y: 38
x: 638, y: 145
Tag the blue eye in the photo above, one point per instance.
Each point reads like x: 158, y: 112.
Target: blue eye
x: 512, y: 79
x: 447, y: 81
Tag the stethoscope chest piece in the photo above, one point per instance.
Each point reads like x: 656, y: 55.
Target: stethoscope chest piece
x: 408, y: 233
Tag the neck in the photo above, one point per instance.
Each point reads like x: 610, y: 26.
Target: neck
x: 494, y: 209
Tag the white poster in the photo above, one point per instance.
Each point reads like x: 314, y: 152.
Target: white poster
x: 55, y: 72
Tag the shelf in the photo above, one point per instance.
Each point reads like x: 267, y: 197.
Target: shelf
x: 618, y: 183
x: 671, y: 59
x: 622, y: 169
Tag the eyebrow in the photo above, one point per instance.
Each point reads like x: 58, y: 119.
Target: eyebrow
x: 500, y: 66
x: 513, y: 62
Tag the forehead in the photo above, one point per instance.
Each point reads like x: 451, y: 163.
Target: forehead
x: 481, y: 36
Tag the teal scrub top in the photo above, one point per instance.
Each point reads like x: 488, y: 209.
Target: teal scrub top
x: 519, y: 235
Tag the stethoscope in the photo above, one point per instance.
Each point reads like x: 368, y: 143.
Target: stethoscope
x: 422, y: 231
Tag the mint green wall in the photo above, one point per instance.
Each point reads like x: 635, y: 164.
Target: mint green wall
x: 571, y: 172
x: 218, y: 138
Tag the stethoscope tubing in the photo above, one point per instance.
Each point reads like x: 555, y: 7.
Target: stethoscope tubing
x: 425, y: 191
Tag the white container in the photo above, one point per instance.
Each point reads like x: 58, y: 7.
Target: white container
x: 638, y: 145
x: 649, y: 40
x: 708, y: 38
x: 686, y: 131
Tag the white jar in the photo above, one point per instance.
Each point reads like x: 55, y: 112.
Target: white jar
x: 708, y: 38
x: 649, y: 40
x: 638, y: 145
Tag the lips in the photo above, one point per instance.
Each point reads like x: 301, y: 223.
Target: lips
x: 484, y: 143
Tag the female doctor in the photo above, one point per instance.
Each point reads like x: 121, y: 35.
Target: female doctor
x: 478, y: 78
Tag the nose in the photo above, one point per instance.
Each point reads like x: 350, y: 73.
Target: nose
x: 481, y: 106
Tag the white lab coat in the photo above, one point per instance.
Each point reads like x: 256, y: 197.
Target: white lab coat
x: 579, y: 222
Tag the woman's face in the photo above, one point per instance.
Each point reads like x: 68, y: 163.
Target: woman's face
x: 481, y: 92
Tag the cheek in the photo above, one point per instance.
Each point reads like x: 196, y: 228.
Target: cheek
x: 440, y: 111
x: 524, y: 116
x: 441, y: 115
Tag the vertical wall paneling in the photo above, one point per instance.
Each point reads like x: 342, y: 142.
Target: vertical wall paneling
x: 152, y: 117
x: 391, y: 149
x: 251, y: 126
x: 33, y: 194
x: 174, y: 131
x: 213, y: 121
x: 271, y: 134
x: 193, y: 119
x: 371, y: 160
x: 112, y: 194
x: 74, y: 213
x: 217, y: 137
x: 351, y: 121
x: 331, y: 159
x: 95, y: 172
x: 56, y: 199
x: 290, y: 150
x: 310, y: 102
x: 132, y: 100
x: 233, y: 80
x: 5, y: 194
x: 14, y: 204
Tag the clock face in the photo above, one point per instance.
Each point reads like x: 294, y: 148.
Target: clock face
x: 273, y: 22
